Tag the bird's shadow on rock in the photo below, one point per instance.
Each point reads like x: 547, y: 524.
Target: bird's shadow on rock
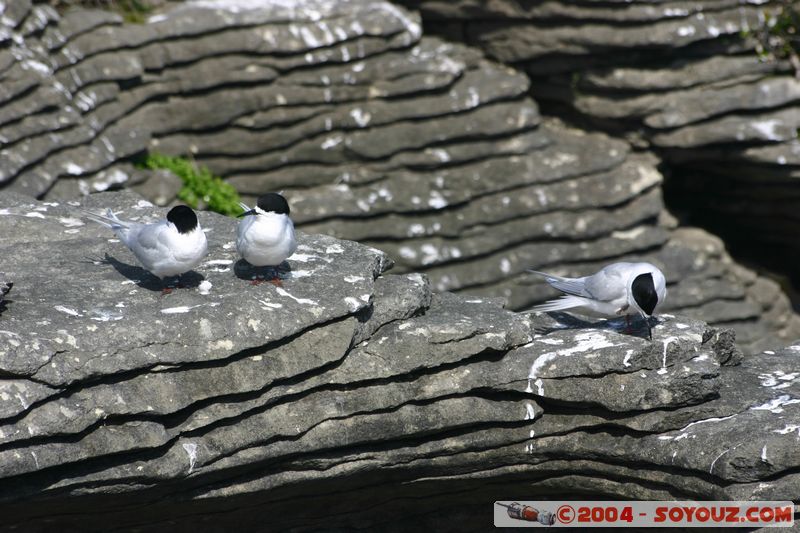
x: 5, y: 289
x: 245, y: 271
x: 638, y: 327
x: 145, y: 279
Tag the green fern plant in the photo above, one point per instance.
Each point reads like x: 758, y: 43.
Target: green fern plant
x: 200, y: 186
x: 779, y: 36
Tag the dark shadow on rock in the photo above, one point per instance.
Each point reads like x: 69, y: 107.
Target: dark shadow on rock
x: 5, y: 288
x: 244, y: 270
x: 365, y: 314
x: 638, y: 326
x: 146, y: 280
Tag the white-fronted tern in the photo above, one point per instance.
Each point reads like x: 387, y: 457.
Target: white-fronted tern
x: 265, y: 236
x: 166, y: 248
x: 617, y: 289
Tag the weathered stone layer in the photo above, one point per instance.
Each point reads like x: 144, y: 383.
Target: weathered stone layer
x: 419, y: 147
x: 231, y: 403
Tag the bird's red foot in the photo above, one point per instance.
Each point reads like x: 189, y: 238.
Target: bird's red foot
x: 257, y: 281
x: 276, y: 281
x: 166, y: 290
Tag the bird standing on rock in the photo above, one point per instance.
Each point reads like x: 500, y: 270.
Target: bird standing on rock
x: 166, y: 248
x: 265, y: 237
x: 618, y: 289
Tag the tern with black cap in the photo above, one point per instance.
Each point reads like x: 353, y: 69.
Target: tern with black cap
x: 166, y: 248
x: 265, y: 236
x: 618, y: 289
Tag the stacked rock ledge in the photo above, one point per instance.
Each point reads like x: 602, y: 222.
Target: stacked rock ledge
x: 346, y: 388
x: 684, y: 80
x: 421, y: 148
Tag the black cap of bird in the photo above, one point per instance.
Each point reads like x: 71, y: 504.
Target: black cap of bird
x: 271, y: 202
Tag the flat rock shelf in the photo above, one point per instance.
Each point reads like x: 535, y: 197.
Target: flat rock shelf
x: 354, y: 395
x: 422, y: 148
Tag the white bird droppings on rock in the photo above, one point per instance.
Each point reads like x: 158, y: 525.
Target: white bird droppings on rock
x: 66, y: 310
x: 283, y: 292
x: 205, y: 287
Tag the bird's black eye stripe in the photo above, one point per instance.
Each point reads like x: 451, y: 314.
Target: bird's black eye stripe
x: 644, y: 293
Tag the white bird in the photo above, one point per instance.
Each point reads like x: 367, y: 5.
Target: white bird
x: 265, y: 236
x: 618, y: 289
x: 166, y: 248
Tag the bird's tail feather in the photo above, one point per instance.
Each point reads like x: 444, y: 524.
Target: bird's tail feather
x: 108, y: 220
x: 543, y: 274
x: 565, y: 302
x: 550, y: 278
x: 244, y: 206
x: 573, y: 286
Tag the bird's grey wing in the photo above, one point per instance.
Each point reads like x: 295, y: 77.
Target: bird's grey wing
x: 606, y: 285
x: 292, y: 238
x: 147, y: 243
x: 244, y: 225
x: 574, y: 286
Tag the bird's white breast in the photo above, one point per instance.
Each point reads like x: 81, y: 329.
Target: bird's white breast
x: 266, y: 239
x: 166, y: 252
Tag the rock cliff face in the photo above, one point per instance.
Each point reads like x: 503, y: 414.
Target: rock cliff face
x: 421, y: 148
x: 352, y: 395
x: 681, y: 78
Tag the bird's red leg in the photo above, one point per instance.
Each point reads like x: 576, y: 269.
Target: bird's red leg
x: 275, y: 280
x: 276, y: 277
x: 167, y: 289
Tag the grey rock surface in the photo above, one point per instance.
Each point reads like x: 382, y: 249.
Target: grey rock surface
x: 347, y: 386
x: 419, y: 147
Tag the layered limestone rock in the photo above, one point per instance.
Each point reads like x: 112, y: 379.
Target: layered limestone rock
x: 346, y: 388
x: 421, y: 148
x: 684, y: 79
